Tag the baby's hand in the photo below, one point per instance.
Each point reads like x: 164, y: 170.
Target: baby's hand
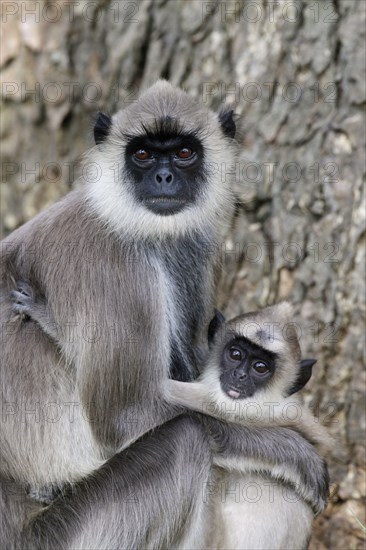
x: 192, y: 395
x: 172, y: 390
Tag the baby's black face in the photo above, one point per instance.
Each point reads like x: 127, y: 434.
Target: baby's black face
x: 245, y: 368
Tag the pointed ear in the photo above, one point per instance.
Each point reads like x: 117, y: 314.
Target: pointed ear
x: 226, y: 120
x: 305, y: 372
x: 102, y: 126
x: 217, y: 321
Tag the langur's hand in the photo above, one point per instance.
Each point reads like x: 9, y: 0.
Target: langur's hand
x: 23, y: 299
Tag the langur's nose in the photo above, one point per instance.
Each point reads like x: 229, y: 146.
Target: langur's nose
x: 239, y: 373
x: 164, y: 176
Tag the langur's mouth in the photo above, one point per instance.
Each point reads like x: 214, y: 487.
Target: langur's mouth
x: 165, y: 206
x: 233, y: 393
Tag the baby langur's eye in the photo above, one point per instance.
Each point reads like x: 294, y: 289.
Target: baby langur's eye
x: 142, y: 154
x: 184, y: 153
x: 260, y: 367
x: 235, y: 354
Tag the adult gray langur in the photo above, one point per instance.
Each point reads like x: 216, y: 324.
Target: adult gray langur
x: 252, y: 371
x: 103, y: 297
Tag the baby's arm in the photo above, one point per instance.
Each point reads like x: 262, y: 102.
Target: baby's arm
x: 192, y: 395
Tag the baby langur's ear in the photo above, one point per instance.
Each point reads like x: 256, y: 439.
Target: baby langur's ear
x: 226, y: 119
x: 217, y: 321
x: 305, y: 372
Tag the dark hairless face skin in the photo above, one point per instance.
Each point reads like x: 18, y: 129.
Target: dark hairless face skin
x: 245, y: 368
x: 166, y: 170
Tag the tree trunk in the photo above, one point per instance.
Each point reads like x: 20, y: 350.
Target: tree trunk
x: 295, y: 72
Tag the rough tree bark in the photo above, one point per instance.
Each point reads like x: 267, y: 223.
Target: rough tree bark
x: 295, y: 71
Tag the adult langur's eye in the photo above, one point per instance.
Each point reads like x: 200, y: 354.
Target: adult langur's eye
x: 184, y: 153
x: 142, y: 154
x: 260, y: 367
x: 235, y: 354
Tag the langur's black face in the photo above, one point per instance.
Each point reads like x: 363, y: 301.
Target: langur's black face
x: 161, y: 160
x: 245, y: 368
x: 166, y: 171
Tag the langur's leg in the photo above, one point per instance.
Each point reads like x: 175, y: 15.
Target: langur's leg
x: 149, y: 496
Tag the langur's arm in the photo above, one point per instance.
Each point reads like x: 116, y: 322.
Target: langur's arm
x: 282, y: 452
x: 139, y: 499
x: 192, y: 395
x: 122, y: 406
x: 311, y: 428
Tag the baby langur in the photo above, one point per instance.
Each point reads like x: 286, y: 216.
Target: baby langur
x: 252, y: 371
